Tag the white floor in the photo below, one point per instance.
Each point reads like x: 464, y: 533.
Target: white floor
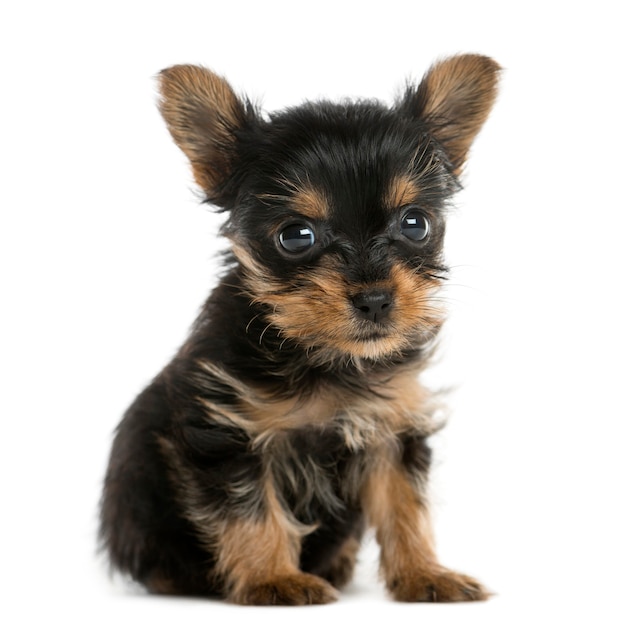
x: 544, y: 596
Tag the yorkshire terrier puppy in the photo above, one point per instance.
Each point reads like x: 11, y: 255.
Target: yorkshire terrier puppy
x: 293, y: 417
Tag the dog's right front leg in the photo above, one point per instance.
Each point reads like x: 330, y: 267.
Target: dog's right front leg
x: 258, y: 559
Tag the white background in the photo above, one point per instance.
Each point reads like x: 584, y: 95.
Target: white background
x: 106, y: 256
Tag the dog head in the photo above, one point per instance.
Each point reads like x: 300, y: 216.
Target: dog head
x: 336, y: 211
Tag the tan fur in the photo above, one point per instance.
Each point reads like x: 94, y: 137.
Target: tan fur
x: 399, y: 513
x: 390, y: 406
x: 311, y: 203
x: 397, y: 508
x: 276, y: 535
x: 201, y: 111
x: 457, y: 95
x: 265, y: 548
x: 258, y: 558
x: 319, y: 312
x: 302, y: 198
x: 401, y: 192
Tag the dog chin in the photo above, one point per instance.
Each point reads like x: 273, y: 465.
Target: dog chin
x: 378, y: 347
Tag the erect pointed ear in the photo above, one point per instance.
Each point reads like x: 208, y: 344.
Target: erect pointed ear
x: 454, y: 99
x: 204, y: 116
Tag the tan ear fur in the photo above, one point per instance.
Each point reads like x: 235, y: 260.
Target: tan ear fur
x: 202, y: 113
x: 455, y: 97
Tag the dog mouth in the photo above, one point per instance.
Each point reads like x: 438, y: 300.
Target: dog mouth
x: 371, y: 332
x: 373, y: 337
x: 390, y: 335
x: 370, y: 339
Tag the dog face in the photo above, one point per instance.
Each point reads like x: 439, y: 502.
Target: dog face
x: 336, y: 210
x: 340, y: 230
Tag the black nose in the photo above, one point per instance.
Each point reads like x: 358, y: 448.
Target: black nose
x: 373, y: 305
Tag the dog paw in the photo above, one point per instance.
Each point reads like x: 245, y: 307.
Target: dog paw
x: 291, y: 590
x: 438, y: 585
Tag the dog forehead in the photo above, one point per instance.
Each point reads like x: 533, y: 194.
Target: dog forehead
x: 327, y: 160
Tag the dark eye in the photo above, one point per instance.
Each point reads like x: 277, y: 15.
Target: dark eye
x: 415, y: 225
x: 297, y: 238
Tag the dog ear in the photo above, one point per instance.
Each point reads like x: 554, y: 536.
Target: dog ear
x: 204, y: 116
x: 454, y: 99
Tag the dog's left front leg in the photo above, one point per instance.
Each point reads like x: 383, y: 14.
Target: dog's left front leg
x: 395, y: 505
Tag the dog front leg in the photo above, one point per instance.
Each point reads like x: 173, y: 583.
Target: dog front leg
x: 258, y: 559
x: 395, y: 505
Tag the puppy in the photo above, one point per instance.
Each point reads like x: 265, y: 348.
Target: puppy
x: 293, y: 417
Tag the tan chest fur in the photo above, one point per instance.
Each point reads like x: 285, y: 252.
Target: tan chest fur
x: 387, y: 406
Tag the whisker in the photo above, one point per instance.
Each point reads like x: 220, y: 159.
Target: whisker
x: 260, y: 339
x: 247, y: 328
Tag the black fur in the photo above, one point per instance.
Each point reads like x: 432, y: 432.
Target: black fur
x: 353, y: 150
